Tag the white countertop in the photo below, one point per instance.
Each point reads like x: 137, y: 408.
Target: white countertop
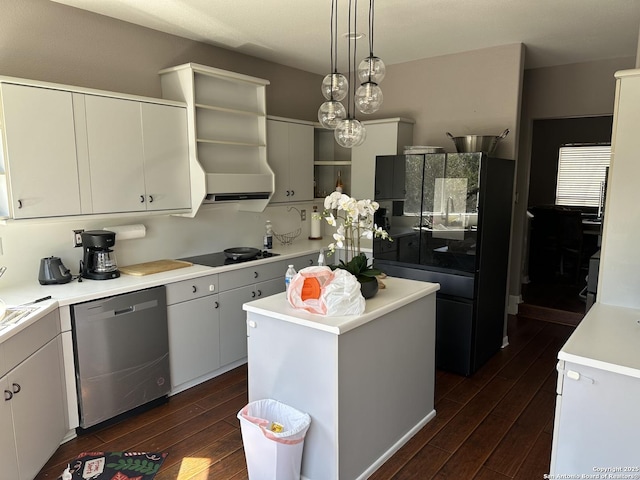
x: 398, y: 292
x: 607, y: 338
x: 77, y: 292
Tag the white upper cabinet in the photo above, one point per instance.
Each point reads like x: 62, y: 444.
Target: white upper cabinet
x: 72, y: 151
x: 40, y: 170
x: 290, y: 156
x: 137, y: 155
x: 114, y: 139
x: 166, y: 150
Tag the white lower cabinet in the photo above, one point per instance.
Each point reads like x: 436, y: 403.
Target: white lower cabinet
x: 233, y: 325
x: 194, y: 328
x: 193, y: 315
x: 8, y: 454
x: 33, y: 417
x: 207, y: 325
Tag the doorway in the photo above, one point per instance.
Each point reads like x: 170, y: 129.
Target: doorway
x: 561, y: 239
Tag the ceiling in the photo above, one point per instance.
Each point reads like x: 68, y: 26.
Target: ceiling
x: 296, y: 32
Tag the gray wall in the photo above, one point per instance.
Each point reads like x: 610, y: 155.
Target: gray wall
x: 470, y: 93
x: 47, y: 41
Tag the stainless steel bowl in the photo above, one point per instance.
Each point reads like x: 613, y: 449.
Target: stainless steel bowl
x: 477, y: 143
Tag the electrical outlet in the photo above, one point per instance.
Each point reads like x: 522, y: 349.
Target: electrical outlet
x: 77, y: 238
x: 303, y: 215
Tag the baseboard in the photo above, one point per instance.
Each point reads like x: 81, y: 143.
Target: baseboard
x: 550, y: 314
x: 395, y: 447
x: 514, y: 301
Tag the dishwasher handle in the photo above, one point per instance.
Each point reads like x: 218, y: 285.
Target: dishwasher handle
x: 129, y: 309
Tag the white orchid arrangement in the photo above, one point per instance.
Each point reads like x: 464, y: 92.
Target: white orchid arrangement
x: 354, y: 219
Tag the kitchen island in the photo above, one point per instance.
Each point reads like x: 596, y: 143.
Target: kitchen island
x: 366, y: 380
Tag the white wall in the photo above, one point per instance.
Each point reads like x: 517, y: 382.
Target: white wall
x: 619, y: 279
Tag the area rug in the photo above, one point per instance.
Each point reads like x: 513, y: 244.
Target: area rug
x: 115, y: 466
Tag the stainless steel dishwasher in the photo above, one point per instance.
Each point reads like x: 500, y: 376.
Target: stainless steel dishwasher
x: 121, y: 349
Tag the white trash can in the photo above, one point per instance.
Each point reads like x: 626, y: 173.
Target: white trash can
x: 273, y: 437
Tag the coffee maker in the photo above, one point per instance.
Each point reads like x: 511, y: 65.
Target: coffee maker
x: 99, y: 261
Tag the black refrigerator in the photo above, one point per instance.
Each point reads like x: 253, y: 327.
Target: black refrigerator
x: 451, y: 224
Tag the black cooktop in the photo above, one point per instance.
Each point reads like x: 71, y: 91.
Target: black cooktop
x: 218, y: 259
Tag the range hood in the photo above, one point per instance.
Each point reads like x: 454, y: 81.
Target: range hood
x: 226, y: 120
x: 251, y: 190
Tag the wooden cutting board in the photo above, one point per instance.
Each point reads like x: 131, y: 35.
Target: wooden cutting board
x: 154, y: 267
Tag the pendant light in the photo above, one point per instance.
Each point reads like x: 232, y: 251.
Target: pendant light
x: 371, y: 71
x: 335, y: 86
x: 350, y: 132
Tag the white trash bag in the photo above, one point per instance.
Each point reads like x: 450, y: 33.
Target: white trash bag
x: 273, y: 436
x: 324, y: 291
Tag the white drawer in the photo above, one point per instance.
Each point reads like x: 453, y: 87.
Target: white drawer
x: 304, y: 261
x: 189, y: 289
x: 252, y: 274
x: 19, y: 347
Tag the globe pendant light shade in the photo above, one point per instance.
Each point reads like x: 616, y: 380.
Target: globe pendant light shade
x: 371, y: 69
x: 330, y: 113
x: 335, y: 86
x: 350, y: 133
x: 368, y: 97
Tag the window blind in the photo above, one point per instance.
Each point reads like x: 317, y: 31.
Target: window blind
x: 582, y: 172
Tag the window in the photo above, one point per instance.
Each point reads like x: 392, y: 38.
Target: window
x: 582, y: 171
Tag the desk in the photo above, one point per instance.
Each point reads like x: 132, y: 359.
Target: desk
x: 591, y: 227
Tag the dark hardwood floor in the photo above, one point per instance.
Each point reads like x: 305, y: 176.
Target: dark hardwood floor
x: 496, y: 424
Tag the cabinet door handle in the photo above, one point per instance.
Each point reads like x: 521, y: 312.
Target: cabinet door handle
x: 288, y: 193
x: 253, y: 294
x: 217, y: 305
x: 293, y: 192
x: 7, y: 395
x: 150, y: 198
x: 16, y: 388
x: 19, y: 203
x: 259, y: 293
x: 311, y: 261
x: 255, y: 274
x: 141, y: 198
x: 195, y: 289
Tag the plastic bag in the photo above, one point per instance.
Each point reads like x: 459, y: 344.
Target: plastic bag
x: 342, y: 296
x: 325, y: 292
x: 305, y: 289
x: 277, y: 421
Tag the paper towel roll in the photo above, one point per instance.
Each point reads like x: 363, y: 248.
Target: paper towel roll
x: 315, y: 228
x: 127, y: 232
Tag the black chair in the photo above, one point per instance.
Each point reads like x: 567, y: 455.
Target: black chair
x: 570, y: 242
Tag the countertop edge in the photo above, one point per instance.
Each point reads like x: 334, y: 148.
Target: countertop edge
x: 607, y: 339
x: 88, y: 290
x: 339, y: 325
